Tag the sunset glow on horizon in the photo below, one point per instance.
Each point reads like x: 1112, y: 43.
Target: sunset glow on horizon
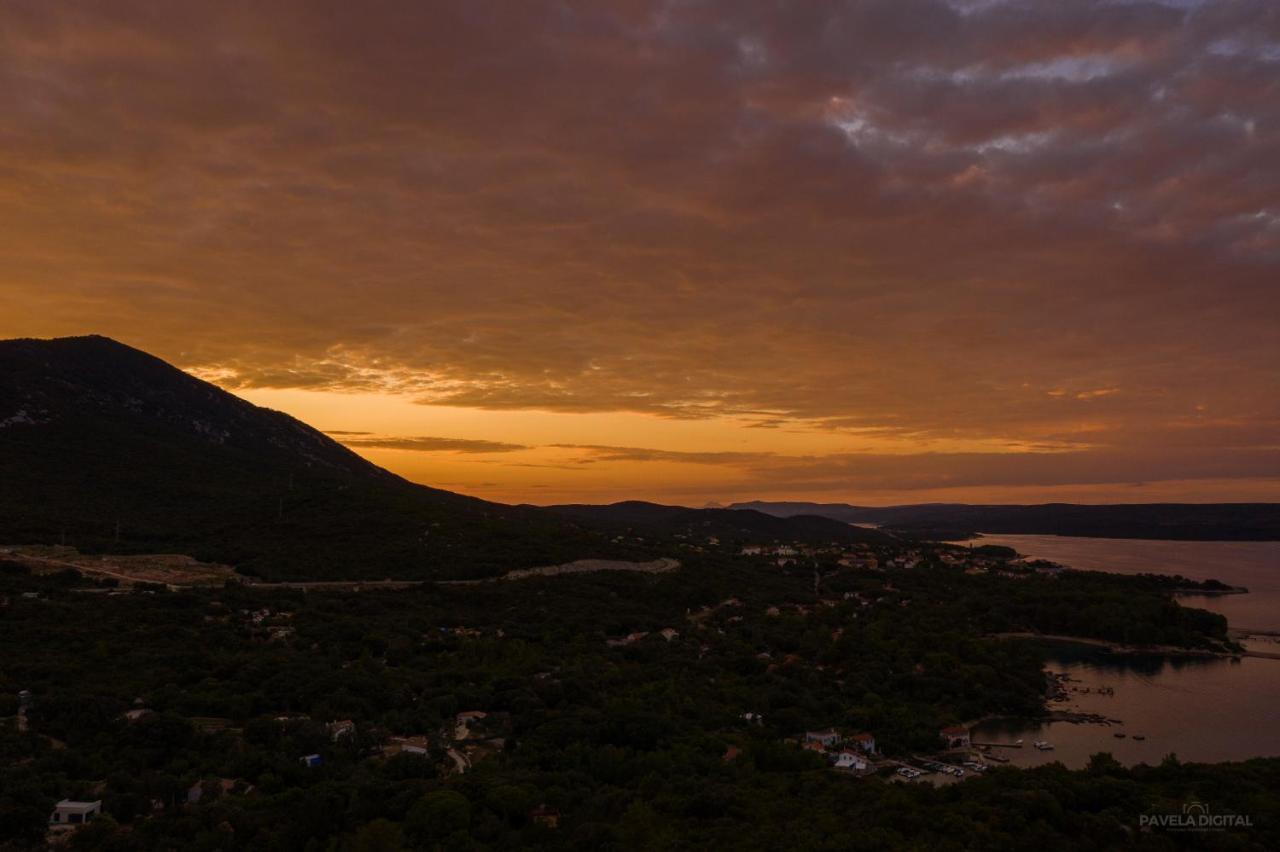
x: 873, y: 252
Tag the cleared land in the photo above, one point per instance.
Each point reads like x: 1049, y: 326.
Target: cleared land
x: 166, y: 569
x: 176, y: 571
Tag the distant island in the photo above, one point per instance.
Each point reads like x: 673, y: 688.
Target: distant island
x: 958, y: 521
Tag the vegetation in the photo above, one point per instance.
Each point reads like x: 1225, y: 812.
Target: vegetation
x: 629, y: 742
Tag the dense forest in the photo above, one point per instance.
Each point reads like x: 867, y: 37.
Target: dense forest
x: 188, y: 713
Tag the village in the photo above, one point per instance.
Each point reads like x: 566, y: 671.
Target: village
x: 856, y: 754
x: 474, y: 736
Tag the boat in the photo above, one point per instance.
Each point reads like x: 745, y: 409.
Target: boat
x: 1119, y: 735
x: 1017, y: 742
x: 1043, y: 746
x: 1139, y: 736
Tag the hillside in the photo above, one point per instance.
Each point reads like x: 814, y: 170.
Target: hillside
x: 727, y: 525
x: 108, y: 449
x: 1180, y: 521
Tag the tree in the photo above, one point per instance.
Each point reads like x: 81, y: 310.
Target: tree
x: 438, y: 815
x: 381, y: 835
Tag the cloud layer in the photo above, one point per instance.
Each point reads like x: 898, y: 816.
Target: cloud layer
x: 1036, y: 227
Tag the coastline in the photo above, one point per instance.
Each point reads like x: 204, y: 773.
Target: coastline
x: 1121, y: 649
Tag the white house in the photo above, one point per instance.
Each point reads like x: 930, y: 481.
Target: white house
x: 850, y: 760
x: 68, y: 812
x: 341, y: 728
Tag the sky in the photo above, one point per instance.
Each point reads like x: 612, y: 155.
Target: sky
x: 875, y: 252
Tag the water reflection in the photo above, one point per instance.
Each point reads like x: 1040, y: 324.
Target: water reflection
x: 1202, y: 709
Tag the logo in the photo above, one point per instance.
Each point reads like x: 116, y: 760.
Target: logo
x: 1195, y: 816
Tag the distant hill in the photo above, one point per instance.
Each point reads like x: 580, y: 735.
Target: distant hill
x: 109, y: 449
x: 727, y: 525
x: 1180, y: 521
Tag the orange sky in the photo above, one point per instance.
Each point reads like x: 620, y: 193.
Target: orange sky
x: 875, y: 251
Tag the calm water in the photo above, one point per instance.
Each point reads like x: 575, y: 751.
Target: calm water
x: 1200, y: 709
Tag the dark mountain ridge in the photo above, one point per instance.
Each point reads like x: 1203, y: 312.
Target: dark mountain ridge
x: 729, y: 525
x: 1178, y: 521
x: 109, y: 449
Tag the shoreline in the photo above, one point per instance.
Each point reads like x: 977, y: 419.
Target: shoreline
x: 1131, y: 650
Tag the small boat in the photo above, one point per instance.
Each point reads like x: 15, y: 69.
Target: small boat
x: 1043, y: 745
x: 1119, y: 735
x: 1139, y: 736
x: 1017, y: 742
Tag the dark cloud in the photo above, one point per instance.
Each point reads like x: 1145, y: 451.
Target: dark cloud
x: 1018, y: 222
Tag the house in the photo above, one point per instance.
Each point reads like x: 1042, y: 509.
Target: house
x: 406, y: 745
x: 850, y: 760
x: 956, y: 736
x: 864, y: 741
x: 215, y: 786
x: 731, y: 753
x: 68, y: 812
x: 826, y: 738
x: 312, y: 760
x: 341, y: 728
x: 669, y: 633
x: 545, y: 816
x: 463, y: 722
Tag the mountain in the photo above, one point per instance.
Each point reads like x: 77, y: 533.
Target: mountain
x: 727, y: 525
x: 109, y: 449
x: 1181, y: 521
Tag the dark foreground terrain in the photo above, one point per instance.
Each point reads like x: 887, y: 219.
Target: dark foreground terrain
x: 556, y: 713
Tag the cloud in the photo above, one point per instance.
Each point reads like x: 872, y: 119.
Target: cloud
x: 424, y: 444
x: 911, y: 218
x: 598, y: 453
